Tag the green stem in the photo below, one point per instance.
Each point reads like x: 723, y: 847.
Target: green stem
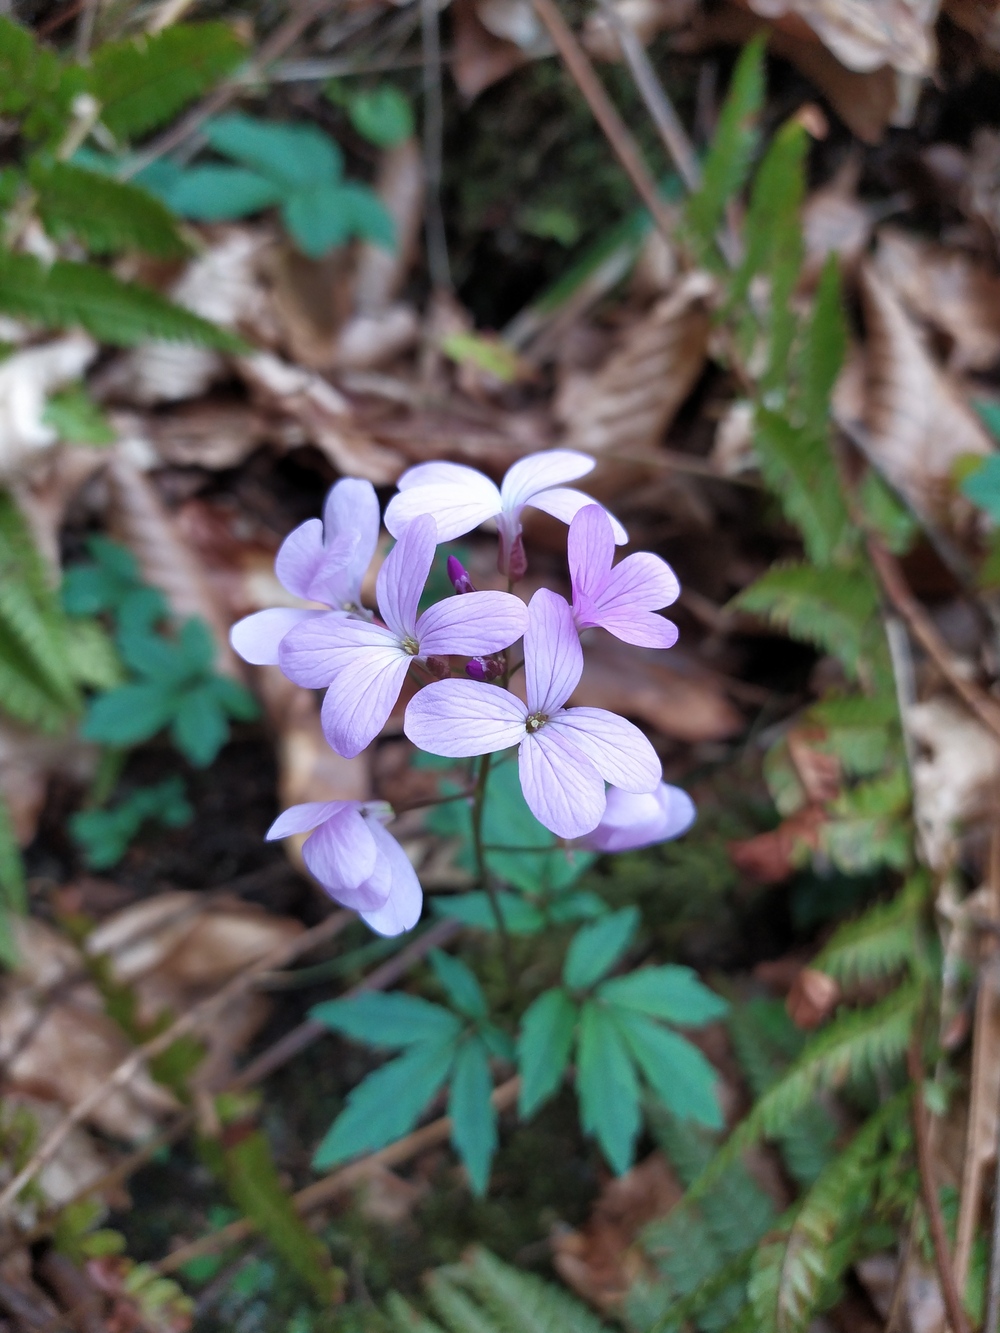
x: 478, y: 805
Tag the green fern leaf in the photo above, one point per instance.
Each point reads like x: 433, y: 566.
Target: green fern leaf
x: 830, y: 608
x: 799, y: 469
x: 120, y: 313
x: 405, y: 1319
x: 880, y: 944
x: 13, y: 893
x: 108, y: 216
x: 521, y: 1302
x: 32, y: 81
x: 142, y: 82
x: 823, y: 349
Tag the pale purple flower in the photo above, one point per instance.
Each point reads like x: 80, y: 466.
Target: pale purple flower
x: 624, y: 599
x: 632, y: 820
x: 356, y: 860
x: 460, y: 498
x: 322, y: 560
x: 365, y: 664
x: 565, y: 755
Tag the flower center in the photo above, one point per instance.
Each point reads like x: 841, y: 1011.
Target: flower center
x: 410, y: 646
x: 535, y: 720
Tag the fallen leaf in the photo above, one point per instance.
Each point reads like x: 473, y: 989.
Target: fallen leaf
x: 214, y: 435
x: 373, y: 338
x: 864, y: 35
x: 45, y: 493
x: 312, y: 299
x: 491, y: 40
x: 79, y: 1161
x: 380, y: 274
x: 954, y: 776
x: 835, y: 221
x: 647, y: 18
x: 27, y: 378
x: 812, y: 999
x: 772, y: 857
x: 27, y: 761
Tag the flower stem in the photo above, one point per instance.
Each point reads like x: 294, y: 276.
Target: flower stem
x: 478, y: 805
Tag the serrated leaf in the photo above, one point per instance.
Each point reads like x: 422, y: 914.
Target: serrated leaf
x: 473, y: 1116
x: 772, y: 231
x: 296, y: 155
x: 387, y: 1104
x: 607, y: 1087
x: 460, y: 982
x: 596, y: 948
x: 799, y: 468
x: 116, y: 312
x: 216, y: 193
x: 676, y: 1071
x: 543, y: 1047
x: 107, y: 216
x: 31, y: 80
x: 388, y: 1020
x: 91, y: 657
x: 142, y: 82
x: 199, y: 728
x: 823, y: 349
x: 672, y: 993
x: 128, y: 715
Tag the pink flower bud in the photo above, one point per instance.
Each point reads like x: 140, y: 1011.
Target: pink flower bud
x: 484, y: 668
x: 459, y: 575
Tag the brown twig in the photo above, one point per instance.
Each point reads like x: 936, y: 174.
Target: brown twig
x: 932, y: 1205
x: 325, y: 1190
x: 926, y: 633
x: 605, y: 113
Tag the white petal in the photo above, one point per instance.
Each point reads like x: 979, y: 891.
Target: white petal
x: 352, y: 507
x: 563, y: 789
x: 537, y: 472
x: 403, y: 575
x: 257, y: 638
x: 404, y: 903
x: 472, y: 623
x: 553, y: 658
x: 459, y: 718
x: 303, y: 818
x: 459, y: 498
x: 564, y: 502
x: 618, y: 750
x: 312, y: 652
x: 361, y: 696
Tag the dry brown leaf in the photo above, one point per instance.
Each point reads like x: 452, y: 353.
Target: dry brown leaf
x: 922, y: 1307
x: 215, y: 435
x: 45, y: 495
x: 27, y: 761
x: 954, y: 775
x: 681, y: 701
x: 79, y: 1160
x: 483, y: 56
x: 380, y: 273
x: 916, y: 421
x: 835, y: 221
x: 948, y: 290
x: 628, y: 402
x: 984, y: 1110
x: 372, y: 339
x: 27, y: 378
x: 812, y: 998
x: 864, y: 35
x: 647, y: 18
x: 312, y: 299
x: 770, y: 858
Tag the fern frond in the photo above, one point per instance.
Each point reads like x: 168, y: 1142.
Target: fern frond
x: 30, y: 78
x: 879, y: 944
x: 108, y: 216
x: 13, y: 894
x: 120, y: 313
x: 521, y: 1302
x: 405, y: 1319
x: 830, y: 608
x: 798, y: 467
x: 724, y: 1291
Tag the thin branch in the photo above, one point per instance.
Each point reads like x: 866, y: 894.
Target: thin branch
x: 605, y: 113
x: 339, y: 1182
x: 433, y: 142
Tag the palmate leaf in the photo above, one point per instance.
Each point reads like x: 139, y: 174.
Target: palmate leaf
x: 390, y: 1020
x: 215, y: 193
x: 108, y: 216
x: 671, y: 993
x: 460, y: 984
x: 607, y: 1087
x: 543, y: 1047
x: 473, y: 1116
x: 116, y: 312
x: 142, y: 82
x: 677, y: 1072
x: 595, y: 948
x: 294, y: 156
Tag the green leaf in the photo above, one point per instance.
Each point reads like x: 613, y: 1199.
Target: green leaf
x: 607, y: 1087
x: 460, y: 982
x: 13, y: 890
x: 196, y: 645
x: 91, y: 656
x: 799, y: 468
x: 317, y: 218
x: 107, y: 216
x: 383, y: 115
x: 199, y: 728
x: 77, y: 418
x: 881, y: 943
x: 982, y: 486
x: 367, y: 216
x: 474, y: 909
x: 387, y: 1020
x: 387, y: 1104
x: 116, y: 312
x: 105, y: 835
x: 772, y: 231
x: 543, y: 1048
x: 673, y: 993
x: 217, y: 193
x: 254, y: 1184
x: 128, y: 715
x: 234, y: 698
x: 596, y: 948
x: 676, y: 1071
x: 142, y: 82
x: 296, y: 156
x: 31, y: 81
x: 733, y: 146
x: 823, y: 349
x: 473, y: 1116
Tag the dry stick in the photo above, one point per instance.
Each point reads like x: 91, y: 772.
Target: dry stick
x: 615, y: 130
x: 932, y: 1204
x: 326, y: 1190
x: 188, y: 1022
x: 433, y: 144
x: 926, y: 633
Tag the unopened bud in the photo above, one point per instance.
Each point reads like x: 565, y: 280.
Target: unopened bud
x: 512, y: 560
x: 484, y: 668
x: 437, y: 667
x: 459, y: 575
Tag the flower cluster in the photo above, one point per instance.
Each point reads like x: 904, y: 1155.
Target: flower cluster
x: 586, y: 773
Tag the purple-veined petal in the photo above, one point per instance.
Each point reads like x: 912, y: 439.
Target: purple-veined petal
x: 341, y: 852
x: 563, y: 789
x: 475, y: 623
x: 256, y: 638
x: 404, y: 902
x: 537, y: 472
x: 617, y: 749
x: 631, y: 821
x: 590, y: 550
x: 460, y: 498
x: 369, y: 896
x: 299, y: 557
x: 553, y: 658
x: 313, y: 651
x: 362, y: 692
x: 302, y: 818
x: 459, y: 718
x: 403, y: 575
x: 331, y: 579
x: 642, y: 580
x: 646, y: 629
x: 564, y: 502
x: 352, y: 507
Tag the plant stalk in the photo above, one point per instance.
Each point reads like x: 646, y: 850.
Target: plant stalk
x: 486, y: 883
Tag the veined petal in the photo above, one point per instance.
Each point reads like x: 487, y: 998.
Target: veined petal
x: 341, y: 853
x: 474, y: 623
x: 458, y: 718
x: 553, y: 658
x: 563, y: 789
x: 256, y: 638
x: 617, y: 749
x: 403, y: 575
x: 299, y: 556
x: 352, y: 507
x: 302, y: 818
x: 590, y: 550
x: 331, y: 578
x: 313, y: 651
x: 402, y: 907
x: 646, y: 629
x: 443, y: 474
x: 564, y: 502
x: 537, y: 472
x: 361, y: 695
x: 643, y: 581
x: 460, y: 498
